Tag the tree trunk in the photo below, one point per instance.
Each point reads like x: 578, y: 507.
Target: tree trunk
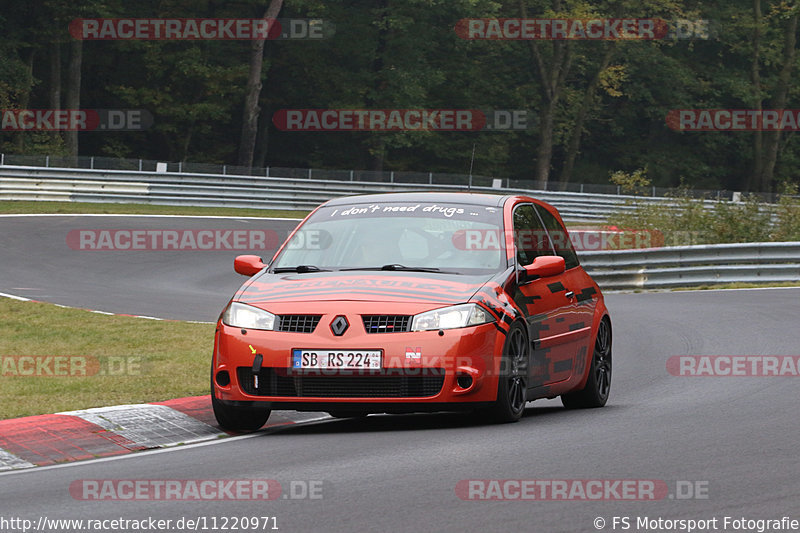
x: 552, y: 78
x: 758, y: 101
x: 55, y: 81
x: 73, y: 100
x: 262, y: 144
x: 376, y: 143
x: 25, y: 97
x: 779, y: 102
x: 586, y: 104
x: 251, y: 108
x: 544, y: 153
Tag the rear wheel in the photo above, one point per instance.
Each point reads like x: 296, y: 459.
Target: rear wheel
x: 598, y: 384
x: 512, y: 385
x: 237, y: 418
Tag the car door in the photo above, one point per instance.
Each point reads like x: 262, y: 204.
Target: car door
x: 579, y: 293
x: 545, y: 303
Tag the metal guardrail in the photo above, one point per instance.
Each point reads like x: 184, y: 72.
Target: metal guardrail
x: 687, y: 266
x: 386, y: 176
x: 618, y: 269
x: 210, y: 190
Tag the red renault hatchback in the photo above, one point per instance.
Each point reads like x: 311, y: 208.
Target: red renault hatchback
x: 407, y: 302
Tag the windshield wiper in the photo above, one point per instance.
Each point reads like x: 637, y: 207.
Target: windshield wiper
x: 300, y: 269
x: 398, y: 267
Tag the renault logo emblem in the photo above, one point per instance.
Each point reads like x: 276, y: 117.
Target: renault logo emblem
x: 339, y: 325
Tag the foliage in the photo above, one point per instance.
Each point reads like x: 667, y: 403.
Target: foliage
x: 688, y: 220
x: 613, y: 99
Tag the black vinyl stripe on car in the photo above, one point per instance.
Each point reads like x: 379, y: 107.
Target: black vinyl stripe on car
x: 586, y: 294
x: 493, y: 306
x: 556, y: 287
x: 562, y: 366
x: 523, y: 302
x: 577, y: 326
x: 540, y: 366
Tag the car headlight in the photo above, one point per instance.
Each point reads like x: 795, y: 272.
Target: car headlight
x: 245, y: 316
x: 457, y: 316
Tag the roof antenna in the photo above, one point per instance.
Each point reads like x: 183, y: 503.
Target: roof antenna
x: 471, y: 162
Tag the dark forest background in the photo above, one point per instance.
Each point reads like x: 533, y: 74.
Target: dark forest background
x: 598, y: 106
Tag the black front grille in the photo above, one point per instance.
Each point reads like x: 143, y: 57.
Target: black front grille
x: 386, y: 383
x: 386, y: 323
x: 298, y: 323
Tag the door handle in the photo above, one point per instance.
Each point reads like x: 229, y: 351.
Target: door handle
x: 569, y: 295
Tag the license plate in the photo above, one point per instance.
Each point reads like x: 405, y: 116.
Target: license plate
x: 333, y: 359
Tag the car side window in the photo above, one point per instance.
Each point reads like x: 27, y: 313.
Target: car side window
x: 529, y: 235
x: 560, y: 237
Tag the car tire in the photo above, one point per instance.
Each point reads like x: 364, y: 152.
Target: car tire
x: 239, y: 419
x: 347, y: 414
x: 598, y: 384
x: 512, y: 383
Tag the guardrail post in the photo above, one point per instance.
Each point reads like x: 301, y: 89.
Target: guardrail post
x: 430, y: 178
x: 654, y: 191
x: 91, y: 162
x: 581, y: 187
x: 224, y: 169
x: 47, y: 161
x: 180, y: 167
x: 618, y: 189
x: 351, y: 175
x: 266, y: 173
x: 391, y: 176
x: 140, y: 165
x: 2, y: 159
x: 309, y: 173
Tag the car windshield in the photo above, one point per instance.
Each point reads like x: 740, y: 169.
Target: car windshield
x: 397, y: 236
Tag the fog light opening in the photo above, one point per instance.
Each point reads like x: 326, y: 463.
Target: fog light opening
x: 223, y: 378
x: 464, y: 381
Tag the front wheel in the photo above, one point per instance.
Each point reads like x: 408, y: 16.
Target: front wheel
x: 512, y: 385
x: 598, y: 384
x: 235, y: 418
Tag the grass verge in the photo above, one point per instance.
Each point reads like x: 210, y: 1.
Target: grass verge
x: 124, y: 359
x: 14, y: 207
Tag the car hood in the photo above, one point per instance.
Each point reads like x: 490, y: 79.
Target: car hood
x: 420, y: 287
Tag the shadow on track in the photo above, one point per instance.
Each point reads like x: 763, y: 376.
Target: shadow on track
x: 428, y: 421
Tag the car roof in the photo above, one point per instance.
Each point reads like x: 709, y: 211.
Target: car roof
x: 467, y: 198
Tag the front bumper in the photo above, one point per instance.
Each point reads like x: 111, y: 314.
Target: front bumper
x: 421, y: 371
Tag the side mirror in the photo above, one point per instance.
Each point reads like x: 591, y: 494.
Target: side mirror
x: 248, y: 265
x: 546, y: 266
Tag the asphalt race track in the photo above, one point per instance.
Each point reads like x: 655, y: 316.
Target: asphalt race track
x: 38, y: 262
x: 732, y: 439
